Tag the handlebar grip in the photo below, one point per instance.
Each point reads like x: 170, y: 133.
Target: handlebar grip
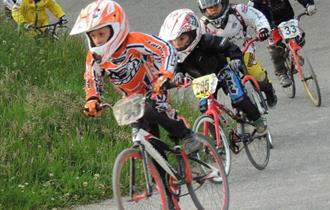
x: 98, y: 107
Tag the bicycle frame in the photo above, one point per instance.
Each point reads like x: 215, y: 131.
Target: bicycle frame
x: 141, y: 139
x: 292, y: 45
x: 216, y: 109
x: 51, y: 29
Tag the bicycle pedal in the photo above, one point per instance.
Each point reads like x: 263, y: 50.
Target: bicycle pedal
x: 235, y: 149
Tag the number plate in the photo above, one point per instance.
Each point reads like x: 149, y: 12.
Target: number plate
x: 289, y: 29
x: 204, y: 86
x: 129, y: 109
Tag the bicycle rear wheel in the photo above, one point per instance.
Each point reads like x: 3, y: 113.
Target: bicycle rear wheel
x: 130, y: 184
x: 205, y: 121
x: 308, y: 77
x: 289, y: 64
x: 209, y: 187
x: 258, y: 150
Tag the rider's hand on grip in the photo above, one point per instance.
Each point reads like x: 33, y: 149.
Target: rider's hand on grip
x: 179, y: 78
x: 310, y: 9
x: 263, y: 34
x: 93, y: 108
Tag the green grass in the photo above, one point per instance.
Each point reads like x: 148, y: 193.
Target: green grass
x: 51, y: 156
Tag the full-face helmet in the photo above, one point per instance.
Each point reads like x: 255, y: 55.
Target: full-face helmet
x: 182, y: 22
x: 99, y: 14
x: 216, y: 11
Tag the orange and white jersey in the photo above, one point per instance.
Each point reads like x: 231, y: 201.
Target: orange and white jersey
x: 134, y: 67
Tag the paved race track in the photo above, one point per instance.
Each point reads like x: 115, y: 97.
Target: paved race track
x: 298, y: 174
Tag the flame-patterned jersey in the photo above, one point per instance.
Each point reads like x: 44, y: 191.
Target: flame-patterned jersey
x: 133, y: 68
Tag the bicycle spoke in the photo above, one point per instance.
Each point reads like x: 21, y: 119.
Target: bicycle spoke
x: 258, y: 151
x: 130, y: 186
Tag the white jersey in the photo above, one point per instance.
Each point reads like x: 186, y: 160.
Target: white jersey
x: 235, y: 29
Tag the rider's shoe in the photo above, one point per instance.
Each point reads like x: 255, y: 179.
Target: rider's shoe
x: 191, y: 143
x: 260, y: 126
x: 271, y: 98
x: 284, y: 80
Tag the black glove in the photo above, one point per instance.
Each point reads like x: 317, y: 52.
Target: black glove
x: 63, y: 20
x: 310, y: 9
x: 263, y: 34
x: 179, y: 78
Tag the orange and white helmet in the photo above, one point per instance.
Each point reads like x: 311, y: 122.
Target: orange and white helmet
x: 97, y: 15
x: 179, y: 22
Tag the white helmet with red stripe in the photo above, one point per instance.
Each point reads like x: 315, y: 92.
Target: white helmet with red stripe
x: 99, y: 14
x: 179, y: 22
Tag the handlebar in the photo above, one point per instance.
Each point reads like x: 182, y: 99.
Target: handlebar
x: 106, y: 105
x: 50, y: 25
x: 249, y: 42
x: 151, y: 93
x: 173, y: 84
x: 302, y: 14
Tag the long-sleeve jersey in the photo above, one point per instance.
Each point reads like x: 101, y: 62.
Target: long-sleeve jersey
x: 209, y: 56
x: 240, y: 17
x: 277, y: 11
x: 27, y: 11
x: 133, y: 68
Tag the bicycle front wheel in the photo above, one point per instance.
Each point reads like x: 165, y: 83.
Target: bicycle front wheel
x: 308, y: 77
x: 205, y: 124
x: 209, y: 188
x: 258, y: 150
x: 130, y: 183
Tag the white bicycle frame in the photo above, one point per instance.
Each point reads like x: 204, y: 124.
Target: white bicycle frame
x: 129, y: 110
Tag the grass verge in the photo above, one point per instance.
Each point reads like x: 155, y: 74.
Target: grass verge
x: 51, y: 156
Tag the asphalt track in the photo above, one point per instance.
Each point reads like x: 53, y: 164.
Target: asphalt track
x: 298, y: 174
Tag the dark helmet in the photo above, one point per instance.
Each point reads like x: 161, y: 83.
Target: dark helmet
x: 218, y: 19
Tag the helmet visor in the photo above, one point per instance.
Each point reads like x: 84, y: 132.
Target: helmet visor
x: 184, y: 40
x: 203, y: 4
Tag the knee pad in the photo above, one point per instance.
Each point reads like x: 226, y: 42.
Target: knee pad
x: 232, y: 85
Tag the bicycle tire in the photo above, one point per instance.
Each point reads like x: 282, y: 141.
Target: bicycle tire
x: 270, y: 139
x: 256, y: 97
x: 209, y: 187
x: 224, y: 152
x: 289, y: 64
x: 258, y: 150
x: 128, y: 169
x: 308, y: 77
